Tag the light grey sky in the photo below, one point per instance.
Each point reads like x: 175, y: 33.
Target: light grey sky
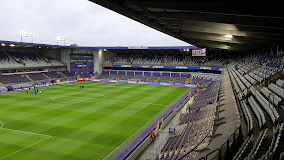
x: 79, y: 21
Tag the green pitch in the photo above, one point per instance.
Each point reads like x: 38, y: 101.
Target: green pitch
x: 66, y: 122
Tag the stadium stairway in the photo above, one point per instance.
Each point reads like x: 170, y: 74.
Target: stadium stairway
x: 263, y: 148
x: 28, y: 77
x: 190, y: 78
x: 187, y: 81
x: 12, y: 58
x: 161, y: 139
x: 94, y: 77
x: 281, y: 146
x: 62, y: 74
x: 46, y: 76
x: 228, y: 119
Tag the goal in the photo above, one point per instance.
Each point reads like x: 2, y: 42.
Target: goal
x: 133, y: 80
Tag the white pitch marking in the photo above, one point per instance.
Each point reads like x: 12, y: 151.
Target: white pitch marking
x: 55, y: 98
x: 47, y: 136
x: 2, y: 124
x: 25, y: 132
x: 25, y: 147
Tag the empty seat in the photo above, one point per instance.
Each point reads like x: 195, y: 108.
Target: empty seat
x: 257, y: 111
x: 271, y: 96
x: 280, y: 83
x: 276, y: 89
x: 268, y: 107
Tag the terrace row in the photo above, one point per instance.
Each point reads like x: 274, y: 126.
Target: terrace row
x: 181, y: 78
x: 14, y: 78
x: 10, y: 60
x: 260, y: 91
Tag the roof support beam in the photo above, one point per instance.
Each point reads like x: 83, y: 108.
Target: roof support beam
x: 263, y: 22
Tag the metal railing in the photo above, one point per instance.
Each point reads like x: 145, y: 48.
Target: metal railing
x: 230, y: 146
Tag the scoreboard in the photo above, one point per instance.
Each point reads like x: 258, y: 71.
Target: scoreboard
x: 199, y: 52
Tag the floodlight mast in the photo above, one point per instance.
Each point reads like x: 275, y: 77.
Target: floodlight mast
x: 26, y: 34
x: 60, y: 39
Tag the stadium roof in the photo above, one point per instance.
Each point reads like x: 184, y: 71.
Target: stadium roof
x: 125, y: 48
x: 224, y: 25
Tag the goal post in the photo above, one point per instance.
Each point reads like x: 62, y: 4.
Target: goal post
x: 133, y: 80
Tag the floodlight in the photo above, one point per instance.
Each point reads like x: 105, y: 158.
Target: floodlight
x: 60, y: 39
x: 12, y: 45
x: 26, y: 34
x: 2, y: 44
x: 229, y: 36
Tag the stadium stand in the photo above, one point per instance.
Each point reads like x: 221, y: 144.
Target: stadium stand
x: 265, y: 101
x: 67, y: 74
x: 113, y: 76
x: 10, y: 60
x: 53, y: 74
x: 179, y: 80
x: 36, y: 76
x: 139, y: 77
x: 102, y: 76
x: 7, y: 62
x: 14, y: 78
x: 126, y: 77
x: 152, y: 79
x: 155, y: 59
x: 197, y: 123
x: 29, y: 59
x: 54, y: 62
x: 165, y: 79
x: 25, y: 77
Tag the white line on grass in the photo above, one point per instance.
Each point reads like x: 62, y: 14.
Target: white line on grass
x: 133, y: 102
x: 26, y: 147
x: 25, y: 132
x: 144, y: 125
x: 47, y: 136
x: 57, y: 99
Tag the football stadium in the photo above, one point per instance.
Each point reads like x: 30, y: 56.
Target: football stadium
x: 220, y: 98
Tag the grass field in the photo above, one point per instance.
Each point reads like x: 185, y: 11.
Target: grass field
x: 66, y: 122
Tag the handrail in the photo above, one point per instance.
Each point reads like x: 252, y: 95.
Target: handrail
x: 197, y: 144
x: 218, y: 149
x: 227, y: 141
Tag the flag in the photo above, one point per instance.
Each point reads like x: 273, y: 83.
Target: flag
x: 162, y: 122
x: 157, y: 125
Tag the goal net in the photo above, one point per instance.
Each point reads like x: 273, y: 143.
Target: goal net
x: 133, y: 80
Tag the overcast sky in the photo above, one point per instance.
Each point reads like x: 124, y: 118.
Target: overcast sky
x: 79, y: 21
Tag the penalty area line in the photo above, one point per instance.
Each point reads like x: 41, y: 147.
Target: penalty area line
x: 47, y: 137
x: 26, y: 147
x: 25, y: 131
